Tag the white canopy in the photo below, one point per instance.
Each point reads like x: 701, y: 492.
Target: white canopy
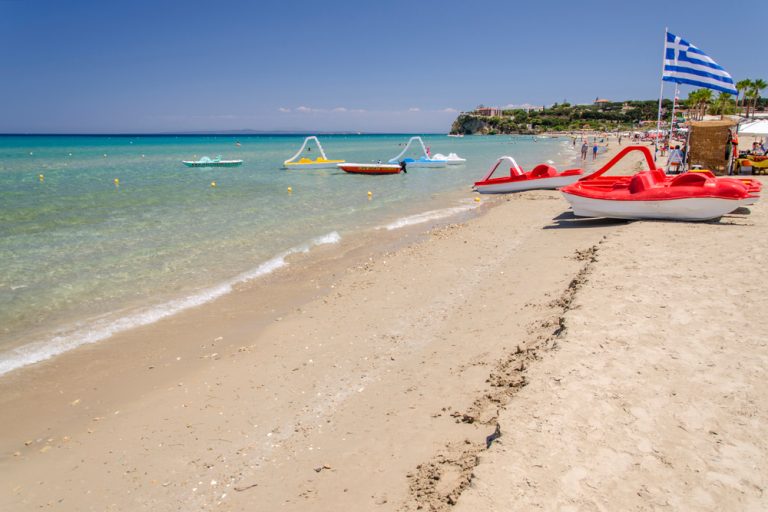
x: 754, y: 128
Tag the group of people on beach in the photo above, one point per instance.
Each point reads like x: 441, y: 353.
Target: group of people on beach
x: 675, y: 159
x: 585, y: 149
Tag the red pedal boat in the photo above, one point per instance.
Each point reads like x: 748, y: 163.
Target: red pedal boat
x: 373, y: 169
x: 652, y: 194
x: 597, y: 178
x: 542, y: 176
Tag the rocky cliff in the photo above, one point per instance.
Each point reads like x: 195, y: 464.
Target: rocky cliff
x: 467, y: 124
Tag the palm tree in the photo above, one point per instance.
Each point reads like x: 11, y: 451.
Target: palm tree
x: 699, y: 97
x: 749, y: 98
x: 742, y: 86
x: 748, y: 95
x: 757, y: 86
x: 722, y: 105
x: 705, y: 98
x: 693, y: 102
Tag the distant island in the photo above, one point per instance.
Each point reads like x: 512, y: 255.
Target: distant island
x: 529, y: 119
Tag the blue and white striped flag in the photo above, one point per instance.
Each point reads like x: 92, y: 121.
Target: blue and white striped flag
x: 686, y: 64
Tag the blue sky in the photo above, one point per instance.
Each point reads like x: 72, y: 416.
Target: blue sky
x: 400, y: 66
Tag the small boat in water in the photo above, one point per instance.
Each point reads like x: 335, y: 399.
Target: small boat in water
x: 541, y: 177
x: 424, y: 161
x: 371, y: 169
x: 451, y: 159
x: 651, y: 194
x: 211, y: 162
x: 321, y: 162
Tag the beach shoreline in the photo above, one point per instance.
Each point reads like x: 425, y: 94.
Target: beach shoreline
x: 287, y: 290
x: 55, y: 336
x: 87, y: 258
x: 325, y: 384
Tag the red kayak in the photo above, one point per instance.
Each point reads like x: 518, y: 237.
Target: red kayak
x: 652, y: 194
x: 373, y: 169
x: 542, y: 176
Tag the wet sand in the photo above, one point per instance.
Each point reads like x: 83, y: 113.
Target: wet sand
x: 371, y: 376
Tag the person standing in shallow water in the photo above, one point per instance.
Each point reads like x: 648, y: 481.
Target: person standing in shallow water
x: 584, y: 149
x: 594, y: 151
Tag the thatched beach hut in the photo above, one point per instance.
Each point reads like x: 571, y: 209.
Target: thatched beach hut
x: 710, y: 143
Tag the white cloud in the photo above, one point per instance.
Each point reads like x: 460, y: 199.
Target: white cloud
x: 303, y: 109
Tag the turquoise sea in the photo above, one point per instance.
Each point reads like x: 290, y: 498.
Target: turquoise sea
x: 82, y: 257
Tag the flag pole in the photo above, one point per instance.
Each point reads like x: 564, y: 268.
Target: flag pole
x: 687, y: 149
x: 661, y: 95
x: 674, y: 106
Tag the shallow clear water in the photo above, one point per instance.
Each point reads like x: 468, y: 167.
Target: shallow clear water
x: 82, y: 258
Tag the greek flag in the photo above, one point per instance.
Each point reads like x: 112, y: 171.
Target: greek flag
x: 686, y: 64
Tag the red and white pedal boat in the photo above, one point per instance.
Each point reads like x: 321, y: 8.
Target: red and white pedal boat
x: 372, y: 169
x: 543, y: 176
x: 651, y: 194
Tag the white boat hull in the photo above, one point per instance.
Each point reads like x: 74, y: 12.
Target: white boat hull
x: 751, y: 201
x: 692, y: 209
x: 520, y: 186
x: 371, y: 169
x: 451, y: 159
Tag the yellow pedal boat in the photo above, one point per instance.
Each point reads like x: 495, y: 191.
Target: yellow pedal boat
x: 302, y: 162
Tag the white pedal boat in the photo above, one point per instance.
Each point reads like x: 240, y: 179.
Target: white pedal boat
x: 451, y: 159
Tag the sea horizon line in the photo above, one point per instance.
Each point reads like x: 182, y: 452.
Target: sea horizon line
x: 243, y: 133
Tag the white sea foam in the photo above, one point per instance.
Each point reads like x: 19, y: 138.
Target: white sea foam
x: 98, y: 330
x: 420, y: 218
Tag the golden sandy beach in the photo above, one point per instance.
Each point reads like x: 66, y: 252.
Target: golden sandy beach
x: 515, y: 359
